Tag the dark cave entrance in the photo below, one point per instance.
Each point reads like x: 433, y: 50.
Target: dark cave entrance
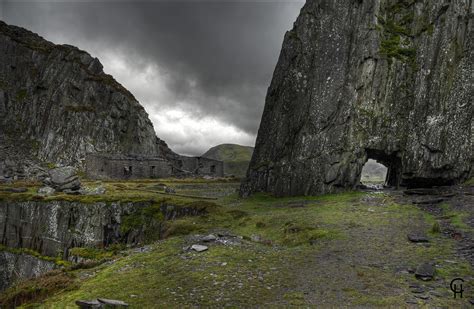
x: 381, y: 169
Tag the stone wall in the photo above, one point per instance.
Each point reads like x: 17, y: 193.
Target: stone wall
x: 121, y: 167
x: 203, y: 166
x: 102, y: 166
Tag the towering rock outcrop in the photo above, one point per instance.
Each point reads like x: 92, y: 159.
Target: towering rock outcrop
x: 358, y: 79
x: 57, y: 104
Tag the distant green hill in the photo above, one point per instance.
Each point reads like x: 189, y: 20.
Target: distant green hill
x: 236, y: 158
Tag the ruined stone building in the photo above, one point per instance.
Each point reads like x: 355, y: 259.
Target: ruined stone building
x: 115, y: 166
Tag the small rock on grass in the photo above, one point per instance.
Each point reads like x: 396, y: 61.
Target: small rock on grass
x: 88, y: 304
x: 412, y: 301
x: 425, y: 272
x: 255, y: 238
x: 209, y: 238
x: 112, y: 303
x: 199, y: 248
x: 418, y: 290
x: 417, y: 238
x: 46, y: 190
x: 436, y: 294
x: 170, y: 190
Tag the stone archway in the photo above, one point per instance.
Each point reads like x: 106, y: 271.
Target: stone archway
x: 393, y: 164
x: 359, y: 79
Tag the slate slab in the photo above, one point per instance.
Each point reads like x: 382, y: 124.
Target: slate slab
x: 425, y: 272
x: 199, y: 248
x: 417, y: 238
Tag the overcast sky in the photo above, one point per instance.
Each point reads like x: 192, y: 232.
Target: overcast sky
x: 200, y: 68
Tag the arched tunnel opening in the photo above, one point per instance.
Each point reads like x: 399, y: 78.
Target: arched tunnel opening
x: 381, y: 169
x: 373, y: 173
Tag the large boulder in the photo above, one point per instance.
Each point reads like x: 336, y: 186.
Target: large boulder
x: 356, y: 80
x: 63, y: 178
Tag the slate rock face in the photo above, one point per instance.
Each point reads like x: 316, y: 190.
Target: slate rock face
x: 357, y: 79
x: 15, y: 267
x: 57, y: 104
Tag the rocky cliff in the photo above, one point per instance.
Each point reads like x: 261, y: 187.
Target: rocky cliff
x: 50, y: 229
x: 57, y: 104
x: 15, y: 267
x: 358, y: 79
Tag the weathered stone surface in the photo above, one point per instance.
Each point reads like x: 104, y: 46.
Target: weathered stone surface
x: 209, y: 238
x: 56, y: 226
x: 101, y: 303
x: 57, y: 104
x: 88, y: 304
x: 199, y: 248
x: 63, y: 178
x: 417, y: 238
x: 112, y: 303
x: 431, y: 201
x: 100, y: 190
x: 46, y: 190
x: 425, y: 272
x: 387, y: 80
x: 14, y: 267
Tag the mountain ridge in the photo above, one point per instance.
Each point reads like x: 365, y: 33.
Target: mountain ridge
x: 235, y: 157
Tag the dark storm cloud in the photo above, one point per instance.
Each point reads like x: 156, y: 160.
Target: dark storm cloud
x: 218, y: 56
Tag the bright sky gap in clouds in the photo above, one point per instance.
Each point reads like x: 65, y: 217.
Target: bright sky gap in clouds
x: 200, y: 68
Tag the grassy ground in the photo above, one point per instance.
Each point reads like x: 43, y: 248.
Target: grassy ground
x: 348, y: 249
x: 129, y: 191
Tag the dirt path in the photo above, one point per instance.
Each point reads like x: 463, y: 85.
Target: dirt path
x: 374, y: 264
